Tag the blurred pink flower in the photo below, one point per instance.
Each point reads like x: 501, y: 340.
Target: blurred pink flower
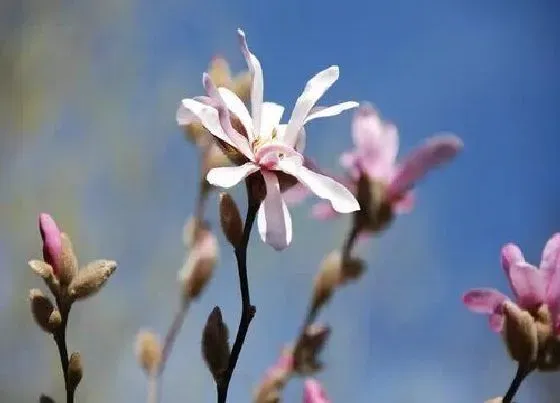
x: 376, y: 145
x: 52, y: 241
x: 270, y: 147
x: 531, y: 286
x: 314, y: 392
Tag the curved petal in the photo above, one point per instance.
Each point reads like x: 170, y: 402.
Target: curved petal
x: 208, y: 117
x: 323, y: 211
x: 313, y: 392
x: 434, y: 152
x: 257, y: 82
x: 236, y: 105
x: 271, y: 115
x: 273, y: 219
x: 184, y: 116
x: 510, y: 255
x: 496, y: 322
x: 367, y: 128
x: 528, y: 284
x: 550, y: 259
x: 327, y: 111
x: 342, y: 199
x: 484, y: 300
x: 314, y: 89
x: 227, y: 177
x: 550, y: 263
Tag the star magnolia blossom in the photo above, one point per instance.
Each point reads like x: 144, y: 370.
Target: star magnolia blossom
x: 531, y: 286
x: 270, y: 147
x: 314, y: 392
x: 376, y: 146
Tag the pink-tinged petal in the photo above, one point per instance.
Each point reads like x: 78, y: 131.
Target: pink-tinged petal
x: 351, y: 162
x: 323, y: 211
x: 528, y: 284
x: 432, y: 153
x: 342, y: 200
x: 52, y: 240
x: 184, y: 116
x: 366, y: 127
x: 271, y: 115
x: 257, y: 87
x: 314, y: 89
x: 313, y: 392
x: 240, y: 142
x: 484, y: 300
x: 550, y: 259
x: 207, y: 115
x: 273, y: 218
x: 328, y: 111
x: 405, y: 203
x: 295, y: 194
x: 238, y: 108
x: 496, y: 322
x: 227, y: 177
x: 510, y: 255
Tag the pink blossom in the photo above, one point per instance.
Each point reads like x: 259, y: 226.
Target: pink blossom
x: 531, y: 286
x: 314, y: 392
x: 376, y: 145
x: 270, y: 147
x: 52, y: 241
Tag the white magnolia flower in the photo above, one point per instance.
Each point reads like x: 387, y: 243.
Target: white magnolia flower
x: 269, y: 147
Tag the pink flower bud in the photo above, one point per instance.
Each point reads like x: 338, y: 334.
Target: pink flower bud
x: 52, y: 241
x: 314, y: 393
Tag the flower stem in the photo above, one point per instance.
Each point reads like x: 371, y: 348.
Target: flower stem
x: 516, y: 383
x: 60, y: 340
x: 247, y: 310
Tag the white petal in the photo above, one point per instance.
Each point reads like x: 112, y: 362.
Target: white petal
x: 273, y: 219
x: 271, y: 115
x: 257, y: 87
x: 208, y: 116
x: 184, y: 116
x: 323, y: 112
x: 301, y: 140
x: 327, y: 188
x: 314, y: 89
x: 238, y: 108
x: 227, y: 177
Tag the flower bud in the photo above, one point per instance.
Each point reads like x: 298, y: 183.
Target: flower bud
x: 230, y: 219
x: 45, y: 271
x: 327, y: 279
x: 520, y: 334
x: 44, y: 312
x: 68, y: 262
x: 199, y: 266
x: 375, y: 212
x: 52, y: 243
x: 75, y: 371
x: 310, y: 345
x: 91, y: 279
x: 148, y: 351
x: 215, y: 345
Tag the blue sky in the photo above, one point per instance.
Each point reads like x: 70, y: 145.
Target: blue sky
x: 485, y: 70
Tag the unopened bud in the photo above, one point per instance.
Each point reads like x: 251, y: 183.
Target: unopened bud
x: 375, y: 213
x: 230, y: 219
x: 270, y: 389
x: 45, y: 271
x: 327, y: 279
x: 44, y: 312
x: 520, y: 334
x: 306, y: 352
x: 199, y: 266
x: 215, y: 345
x: 68, y: 262
x: 52, y: 243
x: 148, y: 351
x: 75, y: 371
x: 91, y: 279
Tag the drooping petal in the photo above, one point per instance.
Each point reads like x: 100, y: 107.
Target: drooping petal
x: 323, y: 211
x: 551, y: 253
x: 327, y: 111
x: 273, y: 218
x: 271, y: 115
x: 314, y: 89
x: 236, y: 105
x: 257, y: 87
x: 314, y: 393
x: 484, y: 300
x: 342, y: 199
x: 528, y: 284
x: 434, y: 152
x: 227, y: 177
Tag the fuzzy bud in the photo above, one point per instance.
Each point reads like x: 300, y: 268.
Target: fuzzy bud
x: 199, y: 266
x: 327, y: 279
x: 68, y: 262
x: 215, y: 345
x: 44, y: 312
x: 230, y: 219
x: 45, y: 271
x: 52, y: 243
x: 310, y: 345
x: 91, y: 279
x: 148, y: 351
x: 75, y: 371
x: 520, y: 334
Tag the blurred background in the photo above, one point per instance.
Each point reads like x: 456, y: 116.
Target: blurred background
x: 88, y: 93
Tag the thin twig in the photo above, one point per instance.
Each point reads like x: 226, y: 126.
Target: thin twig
x: 60, y: 340
x: 520, y: 375
x: 247, y: 310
